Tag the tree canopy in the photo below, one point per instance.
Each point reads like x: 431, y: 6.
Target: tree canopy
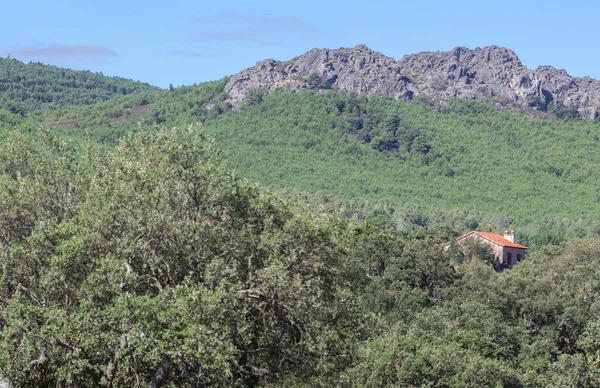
x: 154, y: 264
x: 132, y: 254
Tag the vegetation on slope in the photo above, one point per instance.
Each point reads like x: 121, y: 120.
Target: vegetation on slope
x: 154, y: 264
x: 39, y: 87
x: 464, y: 165
x: 143, y: 260
x: 534, y: 326
x: 108, y: 120
x: 464, y: 155
x: 151, y: 264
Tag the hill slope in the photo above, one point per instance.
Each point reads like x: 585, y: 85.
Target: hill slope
x: 35, y: 86
x: 460, y: 155
x: 151, y: 262
x: 154, y: 265
x: 483, y: 73
x: 466, y: 155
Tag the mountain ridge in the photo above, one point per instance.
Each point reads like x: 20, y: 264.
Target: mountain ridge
x: 475, y: 74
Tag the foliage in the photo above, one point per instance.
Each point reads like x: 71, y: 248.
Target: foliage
x: 38, y: 87
x: 496, y: 164
x: 446, y: 162
x: 255, y: 96
x: 115, y: 117
x: 564, y: 112
x: 316, y: 81
x: 531, y: 326
x: 474, y: 249
x: 143, y: 260
x: 153, y: 264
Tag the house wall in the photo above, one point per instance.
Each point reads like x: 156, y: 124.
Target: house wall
x: 514, y: 252
x: 500, y: 252
x: 496, y: 249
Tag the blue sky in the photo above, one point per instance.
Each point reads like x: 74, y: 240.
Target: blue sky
x: 185, y: 42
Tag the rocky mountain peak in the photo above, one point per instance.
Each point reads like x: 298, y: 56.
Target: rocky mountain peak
x: 362, y: 47
x: 500, y: 55
x: 476, y: 74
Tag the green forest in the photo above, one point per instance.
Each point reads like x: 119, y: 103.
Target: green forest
x: 35, y: 86
x: 162, y: 238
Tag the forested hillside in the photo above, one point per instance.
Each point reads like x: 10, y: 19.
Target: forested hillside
x: 38, y: 87
x: 110, y: 119
x: 296, y: 240
x: 154, y: 265
x: 463, y: 164
x: 459, y: 156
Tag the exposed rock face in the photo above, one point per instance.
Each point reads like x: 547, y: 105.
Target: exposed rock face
x: 473, y: 74
x: 358, y: 69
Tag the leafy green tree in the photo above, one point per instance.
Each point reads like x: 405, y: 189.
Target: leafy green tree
x: 255, y: 96
x: 564, y: 112
x: 316, y: 81
x: 474, y: 249
x: 155, y: 265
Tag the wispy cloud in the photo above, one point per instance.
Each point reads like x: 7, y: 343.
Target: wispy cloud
x: 64, y: 52
x: 254, y: 28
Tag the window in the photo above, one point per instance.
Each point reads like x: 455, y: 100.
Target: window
x: 509, y: 259
x: 518, y: 257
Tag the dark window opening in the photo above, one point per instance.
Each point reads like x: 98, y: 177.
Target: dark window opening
x: 509, y: 259
x: 518, y: 257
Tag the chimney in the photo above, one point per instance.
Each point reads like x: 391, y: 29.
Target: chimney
x: 510, y: 237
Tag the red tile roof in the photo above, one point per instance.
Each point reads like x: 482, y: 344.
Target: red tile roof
x: 494, y: 238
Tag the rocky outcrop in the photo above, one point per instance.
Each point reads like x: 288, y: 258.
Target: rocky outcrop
x: 480, y: 73
x: 357, y: 69
x: 473, y: 74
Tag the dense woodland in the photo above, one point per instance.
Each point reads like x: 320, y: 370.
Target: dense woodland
x: 463, y: 165
x: 139, y: 251
x: 35, y: 86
